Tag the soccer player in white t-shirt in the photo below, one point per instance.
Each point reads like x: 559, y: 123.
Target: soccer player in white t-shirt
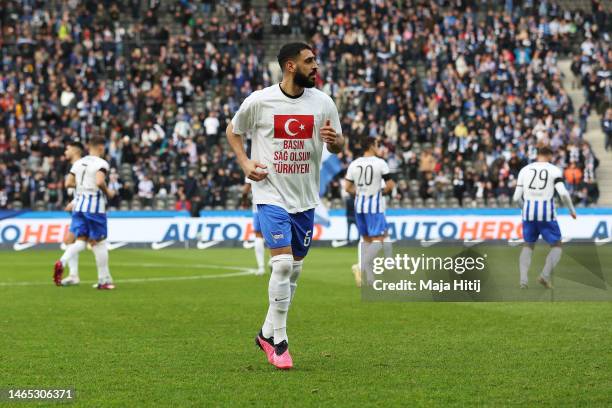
x: 368, y: 178
x: 291, y: 123
x: 88, y: 176
x: 535, y: 190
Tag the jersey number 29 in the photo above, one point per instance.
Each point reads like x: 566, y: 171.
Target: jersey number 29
x: 541, y: 175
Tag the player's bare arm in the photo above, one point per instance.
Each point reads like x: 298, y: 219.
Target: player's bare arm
x: 333, y: 140
x: 101, y: 183
x: 389, y: 186
x: 251, y: 168
x: 70, y: 181
x: 349, y: 187
x: 565, y: 197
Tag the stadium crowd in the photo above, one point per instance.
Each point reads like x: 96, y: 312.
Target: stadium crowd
x: 461, y: 97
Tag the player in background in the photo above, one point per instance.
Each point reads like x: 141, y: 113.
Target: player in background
x: 88, y: 176
x: 364, y: 178
x: 74, y: 152
x: 535, y: 190
x: 291, y: 123
x: 259, y: 240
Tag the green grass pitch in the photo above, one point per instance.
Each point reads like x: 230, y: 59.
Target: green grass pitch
x: 189, y: 342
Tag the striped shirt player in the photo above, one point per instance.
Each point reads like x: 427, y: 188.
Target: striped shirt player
x: 88, y: 177
x: 535, y: 190
x: 536, y: 186
x: 89, y: 211
x: 367, y: 176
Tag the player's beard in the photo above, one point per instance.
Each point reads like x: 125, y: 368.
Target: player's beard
x: 303, y: 80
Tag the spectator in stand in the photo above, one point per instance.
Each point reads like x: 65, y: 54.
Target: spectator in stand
x: 606, y: 127
x: 145, y: 191
x: 182, y: 204
x: 573, y: 176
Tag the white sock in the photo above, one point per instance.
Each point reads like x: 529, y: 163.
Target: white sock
x: 524, y: 263
x: 371, y: 251
x: 72, y: 250
x: 295, y: 274
x: 359, y: 249
x: 552, y: 259
x: 279, y: 295
x: 100, y: 251
x: 73, y: 265
x: 259, y: 252
x: 388, y: 248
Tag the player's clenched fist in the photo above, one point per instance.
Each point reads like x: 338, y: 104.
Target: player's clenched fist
x: 333, y: 140
x: 254, y: 170
x: 328, y: 133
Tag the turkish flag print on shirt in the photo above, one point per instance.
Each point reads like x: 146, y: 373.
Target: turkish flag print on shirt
x: 293, y: 126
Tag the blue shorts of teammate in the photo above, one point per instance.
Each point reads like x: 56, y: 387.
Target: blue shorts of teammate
x: 92, y: 226
x: 256, y: 225
x: 371, y: 225
x: 548, y: 229
x: 281, y: 229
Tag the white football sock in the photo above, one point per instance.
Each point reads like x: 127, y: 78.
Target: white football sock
x: 524, y: 263
x: 388, y: 248
x: 73, y: 265
x: 359, y: 249
x: 295, y: 274
x: 279, y: 295
x: 371, y: 251
x: 259, y: 253
x: 552, y: 259
x: 100, y: 251
x: 72, y: 250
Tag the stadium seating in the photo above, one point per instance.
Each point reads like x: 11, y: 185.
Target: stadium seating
x: 155, y: 82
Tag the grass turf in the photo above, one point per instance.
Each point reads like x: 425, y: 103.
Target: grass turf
x: 190, y: 342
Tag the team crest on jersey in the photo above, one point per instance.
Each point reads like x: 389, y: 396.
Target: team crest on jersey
x: 293, y: 126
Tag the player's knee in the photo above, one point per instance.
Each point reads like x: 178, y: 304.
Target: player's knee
x: 282, y: 265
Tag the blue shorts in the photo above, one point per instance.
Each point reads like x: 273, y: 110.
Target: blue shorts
x: 92, y: 226
x: 256, y: 225
x: 548, y: 229
x: 371, y: 225
x: 281, y: 229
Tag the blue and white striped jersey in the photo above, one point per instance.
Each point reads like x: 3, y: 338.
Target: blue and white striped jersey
x: 368, y: 174
x: 88, y: 197
x: 538, y: 181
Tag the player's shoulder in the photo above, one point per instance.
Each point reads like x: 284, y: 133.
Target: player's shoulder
x: 319, y: 95
x: 263, y: 93
x: 98, y: 161
x: 255, y: 97
x: 553, y: 167
x: 378, y: 161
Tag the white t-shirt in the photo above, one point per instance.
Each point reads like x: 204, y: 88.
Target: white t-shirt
x: 88, y: 197
x: 286, y: 139
x: 538, y: 181
x: 212, y: 125
x: 368, y: 175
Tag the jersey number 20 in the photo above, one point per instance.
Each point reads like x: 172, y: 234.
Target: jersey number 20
x: 365, y: 176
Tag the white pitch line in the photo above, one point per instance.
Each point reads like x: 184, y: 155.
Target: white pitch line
x: 243, y: 272
x: 151, y: 265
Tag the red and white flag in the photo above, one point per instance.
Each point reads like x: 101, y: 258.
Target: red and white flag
x: 293, y: 126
